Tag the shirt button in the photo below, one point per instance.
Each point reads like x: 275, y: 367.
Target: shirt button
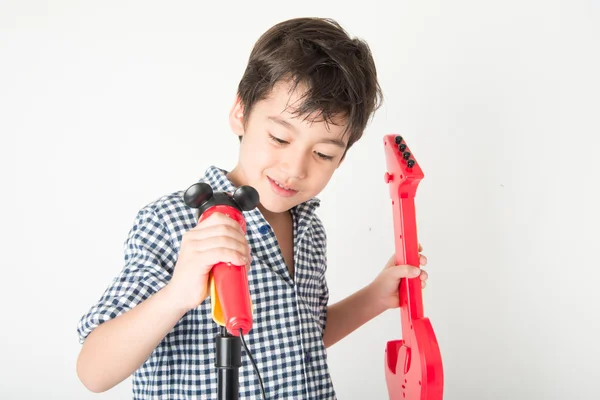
x: 264, y: 229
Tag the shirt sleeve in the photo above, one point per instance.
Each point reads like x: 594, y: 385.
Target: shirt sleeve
x: 149, y: 260
x: 323, y: 288
x: 323, y: 302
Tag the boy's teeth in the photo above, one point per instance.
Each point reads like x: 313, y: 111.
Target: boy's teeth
x: 280, y: 185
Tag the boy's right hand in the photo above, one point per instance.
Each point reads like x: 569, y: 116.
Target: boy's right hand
x: 216, y: 239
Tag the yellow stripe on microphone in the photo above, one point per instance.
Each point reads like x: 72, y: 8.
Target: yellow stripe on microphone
x: 217, y: 312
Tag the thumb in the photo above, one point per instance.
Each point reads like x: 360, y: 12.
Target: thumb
x: 405, y: 271
x: 391, y: 262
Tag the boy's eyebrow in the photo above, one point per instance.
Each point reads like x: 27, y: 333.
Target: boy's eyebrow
x: 336, y: 142
x: 291, y: 127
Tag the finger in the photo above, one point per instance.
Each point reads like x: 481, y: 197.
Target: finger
x: 249, y: 249
x: 217, y: 242
x: 217, y: 231
x: 420, y: 247
x: 423, y: 284
x: 225, y: 255
x: 406, y: 271
x: 424, y: 275
x: 249, y: 264
x: 218, y: 219
x: 390, y: 262
x: 422, y: 260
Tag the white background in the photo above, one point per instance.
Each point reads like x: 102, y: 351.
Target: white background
x: 105, y: 106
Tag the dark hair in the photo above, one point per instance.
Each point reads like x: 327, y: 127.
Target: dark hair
x: 338, y: 71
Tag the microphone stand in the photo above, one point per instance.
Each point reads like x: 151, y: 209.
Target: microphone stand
x: 228, y: 361
x: 237, y: 310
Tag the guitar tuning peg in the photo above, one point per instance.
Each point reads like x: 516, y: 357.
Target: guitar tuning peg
x: 410, y: 163
x: 406, y: 155
x: 398, y: 139
x: 402, y: 147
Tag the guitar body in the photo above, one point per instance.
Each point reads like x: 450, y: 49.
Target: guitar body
x: 413, y: 365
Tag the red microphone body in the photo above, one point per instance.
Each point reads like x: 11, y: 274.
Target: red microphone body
x: 231, y: 303
x: 229, y: 289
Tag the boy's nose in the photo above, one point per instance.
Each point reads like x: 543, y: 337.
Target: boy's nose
x: 295, y: 164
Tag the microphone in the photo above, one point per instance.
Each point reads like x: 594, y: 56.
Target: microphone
x: 230, y: 295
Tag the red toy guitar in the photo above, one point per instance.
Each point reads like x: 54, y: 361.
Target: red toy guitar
x: 413, y: 367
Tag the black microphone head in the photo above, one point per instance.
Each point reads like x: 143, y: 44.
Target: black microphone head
x: 197, y: 194
x: 246, y: 197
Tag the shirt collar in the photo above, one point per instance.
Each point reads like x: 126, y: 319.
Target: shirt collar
x: 217, y: 179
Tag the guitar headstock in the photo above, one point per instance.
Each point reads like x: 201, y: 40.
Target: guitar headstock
x: 403, y: 171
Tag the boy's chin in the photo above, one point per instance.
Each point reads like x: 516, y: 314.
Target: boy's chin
x: 277, y: 206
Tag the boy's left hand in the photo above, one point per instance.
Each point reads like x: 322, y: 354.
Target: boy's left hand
x: 387, y: 283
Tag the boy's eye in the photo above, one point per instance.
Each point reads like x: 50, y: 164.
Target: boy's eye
x: 277, y: 140
x: 324, y: 156
x: 281, y: 141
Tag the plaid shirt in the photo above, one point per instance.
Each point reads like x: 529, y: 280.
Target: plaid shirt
x: 286, y: 339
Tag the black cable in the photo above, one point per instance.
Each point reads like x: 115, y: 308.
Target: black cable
x: 254, y: 364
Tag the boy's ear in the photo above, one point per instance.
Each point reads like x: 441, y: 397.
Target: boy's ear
x: 236, y: 117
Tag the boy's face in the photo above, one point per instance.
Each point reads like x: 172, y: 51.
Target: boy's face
x: 286, y: 158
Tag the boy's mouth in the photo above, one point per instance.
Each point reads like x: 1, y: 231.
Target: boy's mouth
x: 281, y: 189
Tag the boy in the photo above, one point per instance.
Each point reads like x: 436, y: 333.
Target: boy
x: 304, y: 100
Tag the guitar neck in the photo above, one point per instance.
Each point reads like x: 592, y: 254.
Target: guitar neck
x: 403, y: 177
x: 407, y: 253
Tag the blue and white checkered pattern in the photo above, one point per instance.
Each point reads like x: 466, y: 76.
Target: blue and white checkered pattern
x: 286, y: 339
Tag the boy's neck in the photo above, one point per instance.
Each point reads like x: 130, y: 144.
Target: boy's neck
x: 272, y: 217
